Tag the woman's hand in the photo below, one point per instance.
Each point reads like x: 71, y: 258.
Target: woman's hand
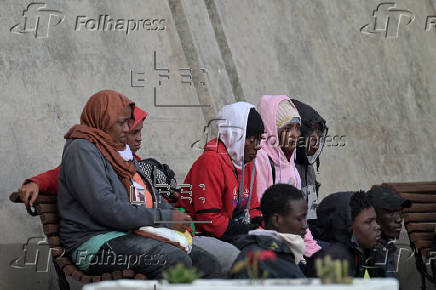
x: 180, y: 217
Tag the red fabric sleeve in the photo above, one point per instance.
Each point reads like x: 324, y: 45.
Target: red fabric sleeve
x: 254, y: 204
x: 47, y: 181
x: 207, y: 203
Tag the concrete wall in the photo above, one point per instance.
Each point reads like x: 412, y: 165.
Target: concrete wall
x: 377, y: 91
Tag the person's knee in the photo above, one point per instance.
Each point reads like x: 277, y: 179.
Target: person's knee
x: 171, y: 255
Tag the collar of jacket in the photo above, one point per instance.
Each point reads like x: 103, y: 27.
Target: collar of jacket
x: 216, y: 146
x: 265, y: 242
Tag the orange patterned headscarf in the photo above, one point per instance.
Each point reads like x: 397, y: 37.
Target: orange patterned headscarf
x: 100, y: 113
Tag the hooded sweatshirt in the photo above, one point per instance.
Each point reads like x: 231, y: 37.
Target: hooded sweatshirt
x: 285, y: 171
x: 304, y: 164
x: 217, y: 175
x: 93, y: 200
x: 334, y: 225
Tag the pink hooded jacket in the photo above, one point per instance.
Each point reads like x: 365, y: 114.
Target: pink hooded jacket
x: 285, y: 171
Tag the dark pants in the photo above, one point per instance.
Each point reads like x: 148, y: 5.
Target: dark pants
x: 150, y: 257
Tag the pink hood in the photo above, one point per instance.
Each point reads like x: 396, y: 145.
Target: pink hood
x: 285, y: 170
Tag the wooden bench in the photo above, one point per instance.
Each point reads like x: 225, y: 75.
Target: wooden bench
x: 46, y: 207
x: 420, y: 223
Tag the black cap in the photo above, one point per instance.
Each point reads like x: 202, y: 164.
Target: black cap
x: 384, y: 197
x: 254, y: 124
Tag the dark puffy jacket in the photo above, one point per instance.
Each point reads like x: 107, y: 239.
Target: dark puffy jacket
x: 283, y: 266
x: 334, y: 226
x: 309, y: 118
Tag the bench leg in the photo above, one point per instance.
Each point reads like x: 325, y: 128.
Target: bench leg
x: 62, y: 279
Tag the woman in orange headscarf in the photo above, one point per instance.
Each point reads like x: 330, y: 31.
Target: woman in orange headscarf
x: 96, y: 215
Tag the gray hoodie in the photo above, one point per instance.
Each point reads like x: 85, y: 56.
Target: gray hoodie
x: 92, y: 199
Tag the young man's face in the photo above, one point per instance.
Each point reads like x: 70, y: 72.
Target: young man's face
x: 313, y: 143
x: 120, y: 129
x: 366, y: 229
x: 390, y: 221
x: 252, y: 145
x: 295, y: 222
x: 288, y: 137
x: 134, y: 138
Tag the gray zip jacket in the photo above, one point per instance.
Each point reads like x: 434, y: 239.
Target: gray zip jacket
x: 92, y: 199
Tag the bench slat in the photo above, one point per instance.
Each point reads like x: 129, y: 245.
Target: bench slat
x: 106, y: 276
x: 47, y: 198
x: 412, y: 186
x: 46, y: 208
x: 420, y: 217
x: 427, y: 227
x: 117, y: 275
x: 49, y: 218
x: 414, y: 197
x: 77, y: 275
x: 421, y: 244
x: 54, y: 241
x: 51, y: 229
x: 140, y: 276
x: 421, y: 207
x: 69, y: 269
x: 426, y: 236
x: 85, y: 279
x: 128, y: 273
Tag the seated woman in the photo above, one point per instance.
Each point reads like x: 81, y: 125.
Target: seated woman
x: 275, y: 162
x: 96, y: 215
x: 47, y: 182
x: 284, y: 210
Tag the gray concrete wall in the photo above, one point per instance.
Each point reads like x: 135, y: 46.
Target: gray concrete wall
x: 377, y: 91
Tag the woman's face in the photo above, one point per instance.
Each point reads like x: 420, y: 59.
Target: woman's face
x: 288, y: 137
x: 120, y: 129
x: 134, y: 138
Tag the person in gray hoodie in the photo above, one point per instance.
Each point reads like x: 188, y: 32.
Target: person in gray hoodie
x: 97, y: 218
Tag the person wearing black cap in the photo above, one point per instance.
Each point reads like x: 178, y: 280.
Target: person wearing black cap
x: 389, y: 209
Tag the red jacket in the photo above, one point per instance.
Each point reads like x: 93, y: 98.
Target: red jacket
x: 216, y: 200
x: 48, y: 181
